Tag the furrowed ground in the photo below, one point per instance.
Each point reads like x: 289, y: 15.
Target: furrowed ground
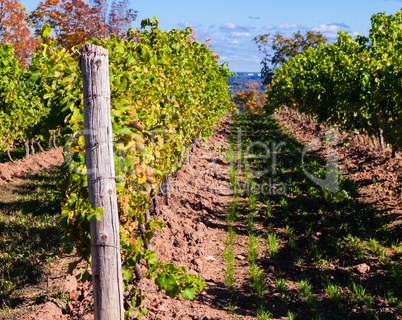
x: 292, y: 250
x: 313, y: 253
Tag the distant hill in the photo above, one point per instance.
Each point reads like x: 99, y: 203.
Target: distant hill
x: 242, y: 79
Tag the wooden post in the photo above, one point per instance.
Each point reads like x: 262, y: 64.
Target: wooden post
x: 165, y: 191
x: 105, y: 244
x: 381, y: 138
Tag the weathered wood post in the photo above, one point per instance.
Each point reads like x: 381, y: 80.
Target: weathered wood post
x: 105, y: 243
x: 381, y: 138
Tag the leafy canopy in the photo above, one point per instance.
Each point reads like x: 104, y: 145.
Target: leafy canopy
x: 284, y: 48
x: 75, y: 21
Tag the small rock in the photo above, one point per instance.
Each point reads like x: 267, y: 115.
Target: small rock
x: 178, y: 243
x: 50, y: 311
x: 197, y: 262
x: 362, y: 268
x: 70, y: 284
x: 316, y: 235
x: 240, y: 257
x: 210, y: 258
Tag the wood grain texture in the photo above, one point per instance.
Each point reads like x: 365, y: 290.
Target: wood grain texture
x: 105, y: 243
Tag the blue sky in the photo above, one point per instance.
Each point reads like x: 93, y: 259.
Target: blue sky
x: 233, y: 24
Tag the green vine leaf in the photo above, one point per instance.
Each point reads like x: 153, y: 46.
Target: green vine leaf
x: 188, y: 293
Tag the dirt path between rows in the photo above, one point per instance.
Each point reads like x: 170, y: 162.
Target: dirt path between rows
x: 196, y: 228
x: 193, y: 237
x: 14, y: 171
x: 377, y: 175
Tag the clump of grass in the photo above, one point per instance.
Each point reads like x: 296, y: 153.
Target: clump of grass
x: 289, y: 233
x: 251, y: 203
x: 291, y: 316
x: 314, y: 250
x: 263, y: 314
x: 389, y: 297
x: 269, y: 210
x: 394, y: 272
x: 228, y: 254
x: 313, y: 195
x: 252, y: 247
x: 305, y: 290
x: 294, y: 190
x: 280, y: 285
x: 233, y: 211
x: 397, y: 247
x: 257, y: 281
x: 356, y: 246
x: 368, y: 302
x: 229, y: 257
x: 285, y: 209
x: 334, y: 293
x: 272, y: 245
x: 257, y: 277
x: 374, y: 245
x: 358, y: 291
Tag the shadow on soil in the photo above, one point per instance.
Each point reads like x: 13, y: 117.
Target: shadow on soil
x: 29, y: 231
x: 330, y: 231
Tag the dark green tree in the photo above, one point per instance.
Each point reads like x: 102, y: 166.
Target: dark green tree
x: 284, y: 48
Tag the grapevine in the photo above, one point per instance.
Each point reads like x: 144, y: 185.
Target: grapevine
x: 352, y: 83
x: 165, y: 91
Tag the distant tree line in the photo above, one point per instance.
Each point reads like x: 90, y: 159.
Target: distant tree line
x: 242, y: 80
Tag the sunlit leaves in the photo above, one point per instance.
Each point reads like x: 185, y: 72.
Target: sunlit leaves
x: 160, y: 102
x: 353, y: 83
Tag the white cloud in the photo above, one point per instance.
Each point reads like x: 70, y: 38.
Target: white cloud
x: 228, y: 25
x: 233, y: 41
x: 241, y: 34
x: 287, y: 26
x: 354, y: 34
x: 330, y: 31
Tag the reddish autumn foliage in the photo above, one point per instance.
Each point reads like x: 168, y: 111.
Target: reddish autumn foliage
x: 74, y: 21
x: 14, y: 28
x: 250, y: 100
